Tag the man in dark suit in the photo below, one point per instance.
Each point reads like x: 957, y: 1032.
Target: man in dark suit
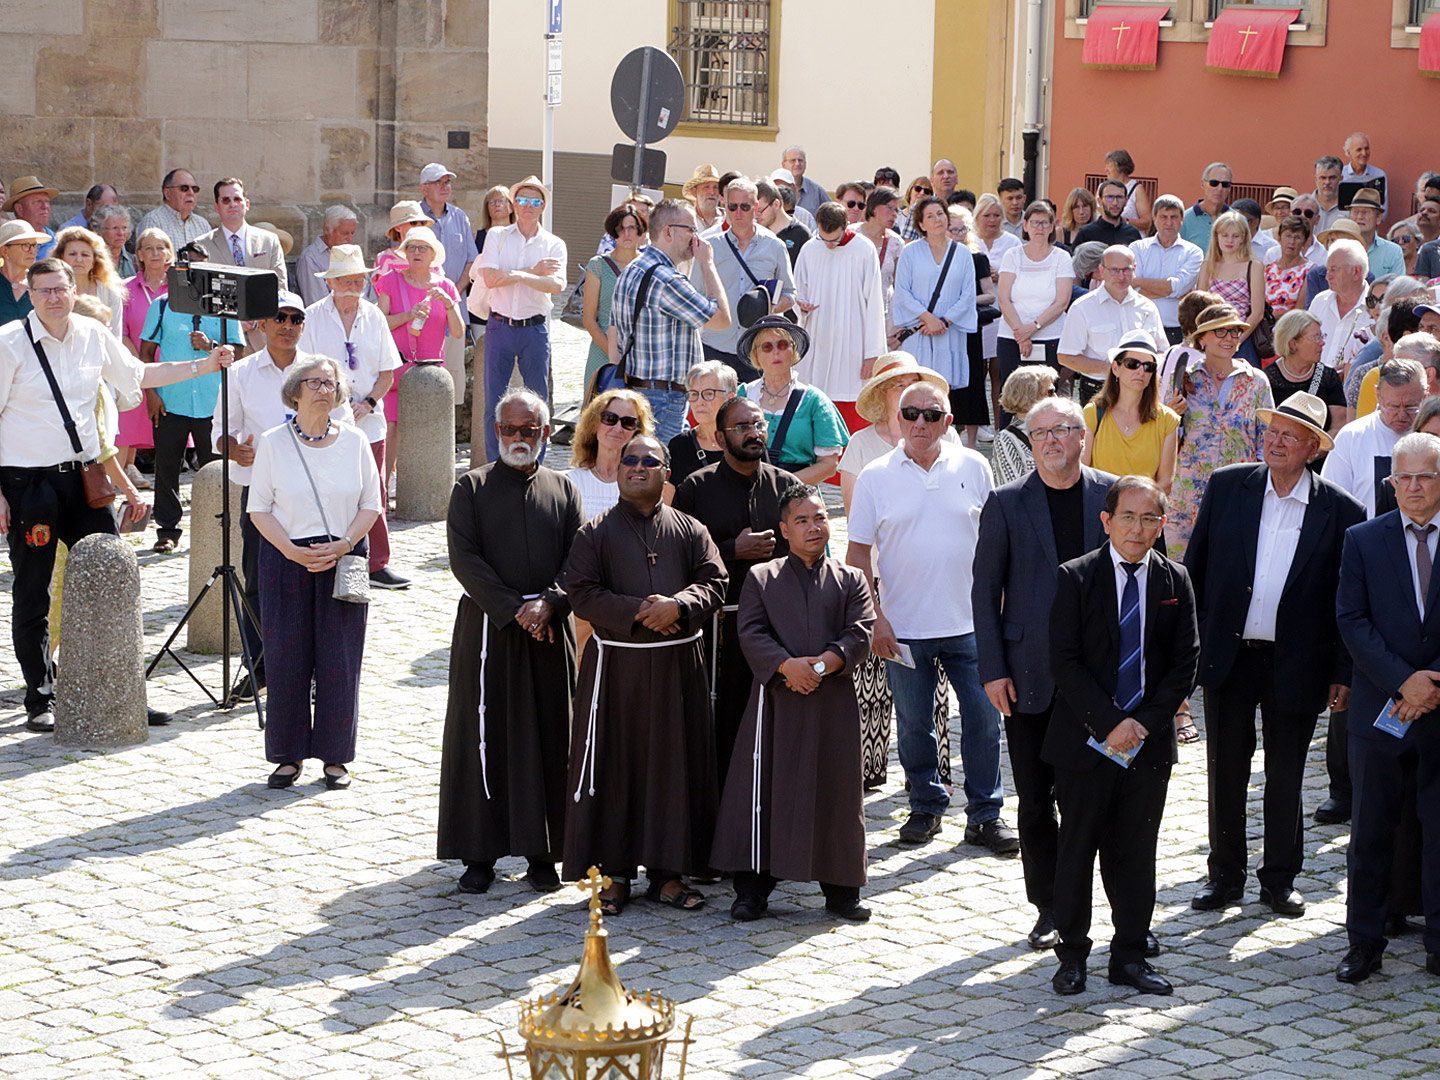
x: 1123, y: 652
x: 1388, y: 611
x: 1028, y: 526
x: 1265, y: 563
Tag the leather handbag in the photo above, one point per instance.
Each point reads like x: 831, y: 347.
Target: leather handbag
x: 352, y: 572
x: 99, y: 490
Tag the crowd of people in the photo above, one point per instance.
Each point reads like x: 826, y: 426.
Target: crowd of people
x: 1215, y: 465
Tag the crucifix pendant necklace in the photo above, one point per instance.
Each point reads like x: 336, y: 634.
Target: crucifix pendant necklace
x: 650, y: 553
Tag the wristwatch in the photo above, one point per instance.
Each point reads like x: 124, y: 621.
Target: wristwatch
x: 370, y: 401
x: 818, y: 667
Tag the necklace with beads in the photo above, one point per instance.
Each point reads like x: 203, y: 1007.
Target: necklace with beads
x: 295, y: 423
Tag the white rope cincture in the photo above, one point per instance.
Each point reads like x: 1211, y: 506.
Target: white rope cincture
x: 592, y: 742
x: 715, y: 647
x: 484, y: 653
x: 755, y: 784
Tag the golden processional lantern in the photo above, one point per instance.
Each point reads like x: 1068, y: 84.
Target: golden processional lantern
x: 596, y: 1029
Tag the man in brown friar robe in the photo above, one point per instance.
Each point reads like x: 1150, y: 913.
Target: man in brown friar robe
x: 512, y: 657
x: 642, y: 752
x: 805, y: 623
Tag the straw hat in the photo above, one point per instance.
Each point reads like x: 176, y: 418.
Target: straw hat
x: 1307, y: 410
x: 406, y: 212
x: 1342, y: 227
x: 798, y: 335
x: 705, y: 174
x: 346, y: 260
x: 19, y: 231
x: 1136, y: 341
x: 286, y: 240
x: 425, y: 235
x: 1289, y: 194
x: 1228, y: 316
x: 1368, y: 197
x: 870, y: 402
x: 531, y: 181
x: 27, y: 185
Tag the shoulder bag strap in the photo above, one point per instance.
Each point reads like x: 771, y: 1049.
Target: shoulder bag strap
x: 884, y: 247
x: 614, y: 266
x: 1320, y: 370
x: 944, y: 270
x: 743, y: 264
x: 778, y: 444
x: 313, y: 489
x: 640, y: 294
x: 55, y: 390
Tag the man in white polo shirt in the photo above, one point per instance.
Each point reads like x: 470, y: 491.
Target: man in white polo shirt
x: 920, y: 506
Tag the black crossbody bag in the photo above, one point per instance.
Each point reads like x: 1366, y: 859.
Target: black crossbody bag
x: 901, y: 335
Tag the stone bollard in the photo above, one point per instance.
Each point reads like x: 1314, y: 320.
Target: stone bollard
x: 203, y: 629
x: 100, y: 695
x: 425, y: 465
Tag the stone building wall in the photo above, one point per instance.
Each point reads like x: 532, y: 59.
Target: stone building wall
x: 311, y: 102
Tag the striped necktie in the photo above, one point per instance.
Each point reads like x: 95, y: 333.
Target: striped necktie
x: 1127, y: 684
x: 237, y: 251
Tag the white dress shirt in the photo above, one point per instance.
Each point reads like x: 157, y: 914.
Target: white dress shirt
x: 506, y: 248
x: 1412, y: 546
x: 1179, y: 264
x: 1097, y: 322
x: 1352, y: 463
x: 344, y: 473
x: 1142, y: 582
x: 373, y: 346
x: 256, y: 406
x: 1344, y: 335
x: 1281, y: 517
x: 32, y: 434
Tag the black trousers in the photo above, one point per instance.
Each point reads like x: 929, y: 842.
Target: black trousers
x: 1230, y: 746
x: 1035, y: 793
x: 752, y: 886
x: 1381, y: 771
x: 1337, y: 756
x: 1115, y: 813
x: 171, y: 433
x: 732, y: 688
x: 46, y: 505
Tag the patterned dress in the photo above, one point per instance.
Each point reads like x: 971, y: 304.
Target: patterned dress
x: 1285, y: 288
x: 1220, y: 427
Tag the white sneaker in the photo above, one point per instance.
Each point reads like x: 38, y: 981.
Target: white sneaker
x: 137, y: 477
x: 987, y: 434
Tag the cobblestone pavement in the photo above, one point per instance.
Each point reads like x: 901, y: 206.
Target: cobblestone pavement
x: 164, y: 914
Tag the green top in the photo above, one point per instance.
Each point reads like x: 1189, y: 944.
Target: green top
x: 817, y: 426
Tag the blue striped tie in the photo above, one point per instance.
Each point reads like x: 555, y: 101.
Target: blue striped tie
x: 1127, y: 685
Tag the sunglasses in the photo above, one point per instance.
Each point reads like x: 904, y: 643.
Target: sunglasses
x: 1129, y: 363
x: 610, y: 419
x: 1372, y: 300
x: 630, y: 461
x: 1304, y: 213
x: 194, y: 189
x: 294, y: 318
x: 784, y: 344
x: 350, y: 357
x: 528, y: 200
x: 741, y: 206
x: 1219, y: 183
x: 923, y: 191
x: 525, y: 431
x: 853, y: 205
x: 914, y: 412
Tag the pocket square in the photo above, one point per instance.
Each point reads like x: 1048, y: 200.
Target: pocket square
x: 1172, y: 600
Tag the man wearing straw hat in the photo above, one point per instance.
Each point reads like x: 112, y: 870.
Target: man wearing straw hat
x: 1271, y: 533
x: 524, y: 266
x: 30, y: 201
x: 703, y: 190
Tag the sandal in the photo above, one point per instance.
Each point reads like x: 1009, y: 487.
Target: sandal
x: 614, y: 905
x: 1185, y: 729
x: 337, y: 781
x: 685, y: 899
x: 279, y: 779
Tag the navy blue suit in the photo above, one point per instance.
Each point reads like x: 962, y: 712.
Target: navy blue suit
x: 1388, y: 641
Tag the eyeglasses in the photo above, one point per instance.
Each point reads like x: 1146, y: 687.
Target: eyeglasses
x: 295, y: 318
x: 630, y: 461
x: 1372, y: 300
x: 1404, y: 479
x: 783, y: 345
x: 194, y: 189
x: 854, y: 205
x: 703, y: 395
x: 610, y: 419
x: 1129, y: 363
x: 1228, y: 332
x: 1400, y: 410
x: 628, y: 230
x: 742, y: 206
x: 525, y: 431
x: 328, y: 385
x: 1118, y: 270
x: 350, y: 357
x: 1219, y: 183
x: 1286, y: 438
x: 1304, y: 213
x: 1114, y: 198
x: 58, y: 291
x: 914, y: 412
x: 1058, y: 432
x: 679, y: 226
x: 756, y: 426
x: 1126, y: 519
x: 917, y: 190
x: 528, y: 200
x: 25, y: 245
x: 1406, y: 239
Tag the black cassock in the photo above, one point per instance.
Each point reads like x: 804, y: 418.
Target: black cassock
x: 509, y: 536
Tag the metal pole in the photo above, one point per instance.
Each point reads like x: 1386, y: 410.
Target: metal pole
x: 547, y: 161
x: 644, y: 115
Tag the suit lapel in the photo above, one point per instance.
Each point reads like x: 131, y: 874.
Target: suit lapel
x: 1252, y: 502
x: 1155, y: 591
x: 1104, y: 580
x: 1094, y: 502
x: 1038, y: 508
x: 1400, y: 562
x: 1312, y: 527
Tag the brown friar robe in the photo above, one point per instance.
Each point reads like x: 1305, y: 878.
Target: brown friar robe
x: 811, y: 819
x: 509, y: 536
x: 644, y: 771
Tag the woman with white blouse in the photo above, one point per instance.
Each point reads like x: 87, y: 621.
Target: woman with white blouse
x: 310, y: 637
x: 610, y: 421
x: 994, y: 243
x: 1034, y: 292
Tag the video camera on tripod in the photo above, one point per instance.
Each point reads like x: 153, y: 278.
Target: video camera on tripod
x: 246, y: 293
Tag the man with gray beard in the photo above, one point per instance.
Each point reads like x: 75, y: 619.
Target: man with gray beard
x: 512, y: 657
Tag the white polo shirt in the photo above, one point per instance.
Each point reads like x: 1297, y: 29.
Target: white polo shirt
x: 923, y: 526
x: 372, y: 351
x: 1097, y: 322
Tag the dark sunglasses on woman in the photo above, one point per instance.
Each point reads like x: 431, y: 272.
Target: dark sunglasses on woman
x: 1129, y: 363
x: 610, y: 419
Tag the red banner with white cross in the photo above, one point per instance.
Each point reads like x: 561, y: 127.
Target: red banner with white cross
x: 1249, y: 41
x: 1122, y: 38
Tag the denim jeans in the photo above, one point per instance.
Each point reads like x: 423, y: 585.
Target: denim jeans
x: 505, y: 346
x: 669, y: 407
x: 914, y: 691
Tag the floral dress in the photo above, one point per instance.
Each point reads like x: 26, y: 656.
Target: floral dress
x: 1220, y: 427
x: 1284, y: 289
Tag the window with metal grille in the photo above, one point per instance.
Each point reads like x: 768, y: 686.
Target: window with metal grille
x: 1420, y: 10
x: 1217, y: 6
x: 723, y: 49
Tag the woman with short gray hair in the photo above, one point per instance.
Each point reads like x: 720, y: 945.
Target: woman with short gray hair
x: 314, y: 494
x: 708, y: 385
x: 112, y: 224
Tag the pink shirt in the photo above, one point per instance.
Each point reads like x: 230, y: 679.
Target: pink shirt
x: 430, y: 345
x: 138, y: 299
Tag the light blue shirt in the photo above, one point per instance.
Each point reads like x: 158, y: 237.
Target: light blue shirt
x: 1179, y: 264
x: 195, y: 397
x: 453, y: 229
x: 1386, y: 257
x: 768, y: 259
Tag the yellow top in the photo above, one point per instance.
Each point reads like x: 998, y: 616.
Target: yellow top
x: 1137, y: 455
x: 1369, y: 391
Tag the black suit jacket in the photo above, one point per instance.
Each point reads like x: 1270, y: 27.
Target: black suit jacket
x: 1309, y: 655
x: 1085, y: 658
x: 1015, y: 561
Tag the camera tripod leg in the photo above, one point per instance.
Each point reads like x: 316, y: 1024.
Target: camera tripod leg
x: 242, y: 607
x: 166, y: 648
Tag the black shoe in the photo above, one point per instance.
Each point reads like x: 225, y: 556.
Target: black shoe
x: 1152, y: 947
x: 1142, y: 977
x: 1070, y: 979
x: 995, y: 835
x: 280, y: 779
x: 852, y: 910
x: 748, y: 908
x: 1213, y: 896
x: 388, y: 579
x: 337, y: 781
x: 1396, y: 926
x: 542, y: 876
x: 156, y: 718
x: 1283, y: 901
x: 42, y: 721
x: 477, y: 879
x: 1432, y: 963
x: 1044, y: 936
x: 920, y: 827
x: 1332, y: 812
x: 244, y: 690
x: 1360, y: 963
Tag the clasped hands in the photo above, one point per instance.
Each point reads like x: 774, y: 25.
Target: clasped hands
x: 1126, y: 735
x: 659, y: 613
x: 1419, y: 695
x: 800, y: 674
x: 534, y: 619
x: 319, y: 557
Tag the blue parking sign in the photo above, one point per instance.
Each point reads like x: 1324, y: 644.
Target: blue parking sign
x: 555, y: 16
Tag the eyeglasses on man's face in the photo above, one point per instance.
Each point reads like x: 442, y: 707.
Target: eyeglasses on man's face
x: 57, y: 291
x: 914, y: 412
x: 529, y: 200
x: 1059, y: 432
x: 744, y: 426
x: 1127, y: 519
x: 632, y: 461
x: 525, y: 431
x: 294, y: 318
